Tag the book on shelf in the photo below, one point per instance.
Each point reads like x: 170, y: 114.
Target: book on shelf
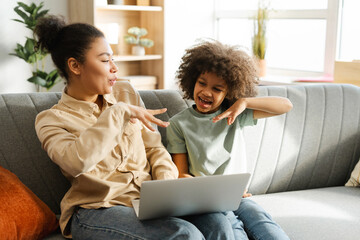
x: 141, y: 82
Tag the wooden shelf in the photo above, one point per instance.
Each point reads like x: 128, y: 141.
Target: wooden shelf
x: 127, y: 58
x: 130, y: 8
x: 128, y: 15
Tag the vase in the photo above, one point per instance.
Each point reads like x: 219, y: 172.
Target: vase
x: 262, y: 67
x: 138, y: 51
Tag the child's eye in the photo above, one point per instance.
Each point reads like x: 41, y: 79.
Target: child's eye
x: 105, y: 60
x: 202, y: 83
x: 217, y: 89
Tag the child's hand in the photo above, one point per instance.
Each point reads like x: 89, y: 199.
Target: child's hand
x: 185, y: 175
x: 235, y: 110
x: 246, y: 194
x: 147, y: 116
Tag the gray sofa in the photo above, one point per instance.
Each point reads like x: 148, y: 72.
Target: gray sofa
x: 299, y: 161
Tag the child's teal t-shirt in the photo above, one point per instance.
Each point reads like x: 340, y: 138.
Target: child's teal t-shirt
x: 213, y: 148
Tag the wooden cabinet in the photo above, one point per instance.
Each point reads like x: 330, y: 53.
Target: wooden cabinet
x: 151, y: 66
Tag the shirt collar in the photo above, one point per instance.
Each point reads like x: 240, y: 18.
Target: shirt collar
x: 84, y: 106
x: 205, y: 115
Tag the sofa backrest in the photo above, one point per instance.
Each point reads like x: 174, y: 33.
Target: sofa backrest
x: 20, y: 149
x: 315, y: 145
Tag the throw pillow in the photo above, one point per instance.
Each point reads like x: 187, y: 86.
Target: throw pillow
x: 22, y: 214
x: 354, y: 180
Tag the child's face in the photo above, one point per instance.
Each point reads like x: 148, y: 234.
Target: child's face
x: 209, y: 92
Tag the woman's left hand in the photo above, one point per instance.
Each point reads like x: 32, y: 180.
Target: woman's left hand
x: 146, y: 116
x: 235, y: 110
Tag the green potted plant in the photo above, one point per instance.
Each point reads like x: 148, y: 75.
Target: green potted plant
x: 135, y: 39
x: 259, y: 42
x: 28, y: 52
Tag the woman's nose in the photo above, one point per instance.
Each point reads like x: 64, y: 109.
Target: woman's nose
x: 113, y: 68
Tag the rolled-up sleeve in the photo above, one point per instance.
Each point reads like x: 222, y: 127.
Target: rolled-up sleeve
x: 162, y: 166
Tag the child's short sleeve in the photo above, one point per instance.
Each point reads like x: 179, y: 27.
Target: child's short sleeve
x: 175, y: 138
x: 246, y: 118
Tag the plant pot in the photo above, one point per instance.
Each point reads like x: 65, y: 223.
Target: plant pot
x: 262, y: 67
x: 138, y: 51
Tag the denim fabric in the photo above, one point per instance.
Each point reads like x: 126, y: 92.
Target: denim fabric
x: 215, y: 226
x: 257, y: 223
x: 237, y: 226
x: 120, y: 222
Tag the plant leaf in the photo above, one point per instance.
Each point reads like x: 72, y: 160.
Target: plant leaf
x: 24, y: 6
x: 145, y: 42
x: 29, y: 45
x: 17, y: 20
x: 131, y: 39
x: 37, y: 80
x: 21, y: 14
x: 42, y: 13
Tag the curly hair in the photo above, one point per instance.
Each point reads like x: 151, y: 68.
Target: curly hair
x: 230, y: 63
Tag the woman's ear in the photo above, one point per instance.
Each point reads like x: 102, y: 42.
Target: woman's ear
x: 74, y: 66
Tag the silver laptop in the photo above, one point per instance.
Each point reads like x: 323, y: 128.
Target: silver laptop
x: 188, y: 196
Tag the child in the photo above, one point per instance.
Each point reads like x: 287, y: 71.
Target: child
x: 222, y: 81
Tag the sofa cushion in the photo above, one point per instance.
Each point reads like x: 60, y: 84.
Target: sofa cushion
x: 22, y: 214
x: 354, y: 180
x: 324, y: 213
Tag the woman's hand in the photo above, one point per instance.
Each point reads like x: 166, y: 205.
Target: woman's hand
x: 147, y: 116
x: 235, y: 110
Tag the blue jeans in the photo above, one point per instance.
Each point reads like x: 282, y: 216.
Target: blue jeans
x: 120, y: 222
x: 255, y: 223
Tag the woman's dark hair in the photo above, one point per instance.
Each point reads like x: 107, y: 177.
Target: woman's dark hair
x: 65, y: 41
x: 230, y: 63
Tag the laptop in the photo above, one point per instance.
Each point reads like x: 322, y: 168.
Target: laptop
x: 189, y: 196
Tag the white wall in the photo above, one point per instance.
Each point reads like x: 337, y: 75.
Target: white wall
x: 13, y: 70
x: 185, y: 22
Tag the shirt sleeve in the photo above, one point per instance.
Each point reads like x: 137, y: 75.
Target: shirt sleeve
x: 246, y: 118
x: 162, y: 166
x: 175, y: 138
x: 80, y: 154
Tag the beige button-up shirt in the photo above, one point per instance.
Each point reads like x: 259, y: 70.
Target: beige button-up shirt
x: 103, y: 155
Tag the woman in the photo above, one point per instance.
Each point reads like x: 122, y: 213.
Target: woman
x: 94, y: 135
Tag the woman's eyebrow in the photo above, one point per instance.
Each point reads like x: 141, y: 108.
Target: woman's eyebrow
x: 104, y: 53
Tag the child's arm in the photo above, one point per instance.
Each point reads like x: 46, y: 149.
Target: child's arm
x: 181, y: 162
x: 263, y: 107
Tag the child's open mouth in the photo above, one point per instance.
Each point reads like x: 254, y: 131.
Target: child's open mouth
x: 204, y: 103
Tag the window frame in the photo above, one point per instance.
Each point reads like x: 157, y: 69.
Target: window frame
x: 331, y: 15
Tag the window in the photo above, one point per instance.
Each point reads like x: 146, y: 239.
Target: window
x: 349, y: 47
x: 301, y: 34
